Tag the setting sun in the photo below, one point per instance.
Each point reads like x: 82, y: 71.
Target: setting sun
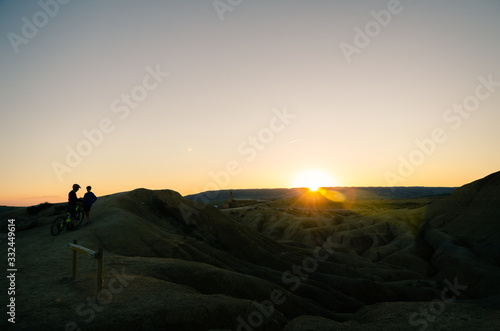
x: 314, y: 179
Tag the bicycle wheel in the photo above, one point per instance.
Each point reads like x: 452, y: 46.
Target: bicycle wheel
x: 79, y: 216
x: 58, y: 225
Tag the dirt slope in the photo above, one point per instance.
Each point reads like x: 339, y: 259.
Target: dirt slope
x: 170, y: 263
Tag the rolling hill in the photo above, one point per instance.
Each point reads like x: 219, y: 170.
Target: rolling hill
x: 298, y: 262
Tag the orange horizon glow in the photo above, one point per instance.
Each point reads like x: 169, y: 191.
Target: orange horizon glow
x: 313, y: 179
x: 59, y: 193
x: 275, y: 102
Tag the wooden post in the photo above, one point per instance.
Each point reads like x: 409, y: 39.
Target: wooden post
x: 75, y: 261
x: 99, y: 255
x: 100, y: 279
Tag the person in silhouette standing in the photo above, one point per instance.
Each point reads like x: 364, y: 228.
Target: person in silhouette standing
x: 88, y: 200
x: 72, y: 201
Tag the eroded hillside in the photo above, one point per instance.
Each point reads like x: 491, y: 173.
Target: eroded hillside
x: 300, y: 263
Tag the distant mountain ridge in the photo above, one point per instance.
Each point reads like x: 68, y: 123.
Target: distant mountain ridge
x: 410, y: 192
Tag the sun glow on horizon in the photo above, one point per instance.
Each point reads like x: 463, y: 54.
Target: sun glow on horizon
x: 314, y: 179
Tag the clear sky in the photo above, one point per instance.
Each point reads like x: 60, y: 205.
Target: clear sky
x: 197, y: 95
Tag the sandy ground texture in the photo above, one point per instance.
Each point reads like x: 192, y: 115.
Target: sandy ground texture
x: 300, y: 263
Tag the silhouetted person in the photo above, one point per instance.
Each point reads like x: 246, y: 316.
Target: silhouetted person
x: 88, y: 200
x: 72, y: 201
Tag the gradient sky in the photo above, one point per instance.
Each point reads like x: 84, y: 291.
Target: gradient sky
x: 248, y: 95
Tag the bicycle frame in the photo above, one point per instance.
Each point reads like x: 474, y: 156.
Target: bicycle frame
x: 63, y: 221
x: 77, y: 211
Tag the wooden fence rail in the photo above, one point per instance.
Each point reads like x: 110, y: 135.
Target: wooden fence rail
x: 95, y: 255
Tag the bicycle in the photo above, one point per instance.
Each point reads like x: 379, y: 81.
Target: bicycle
x: 62, y: 221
